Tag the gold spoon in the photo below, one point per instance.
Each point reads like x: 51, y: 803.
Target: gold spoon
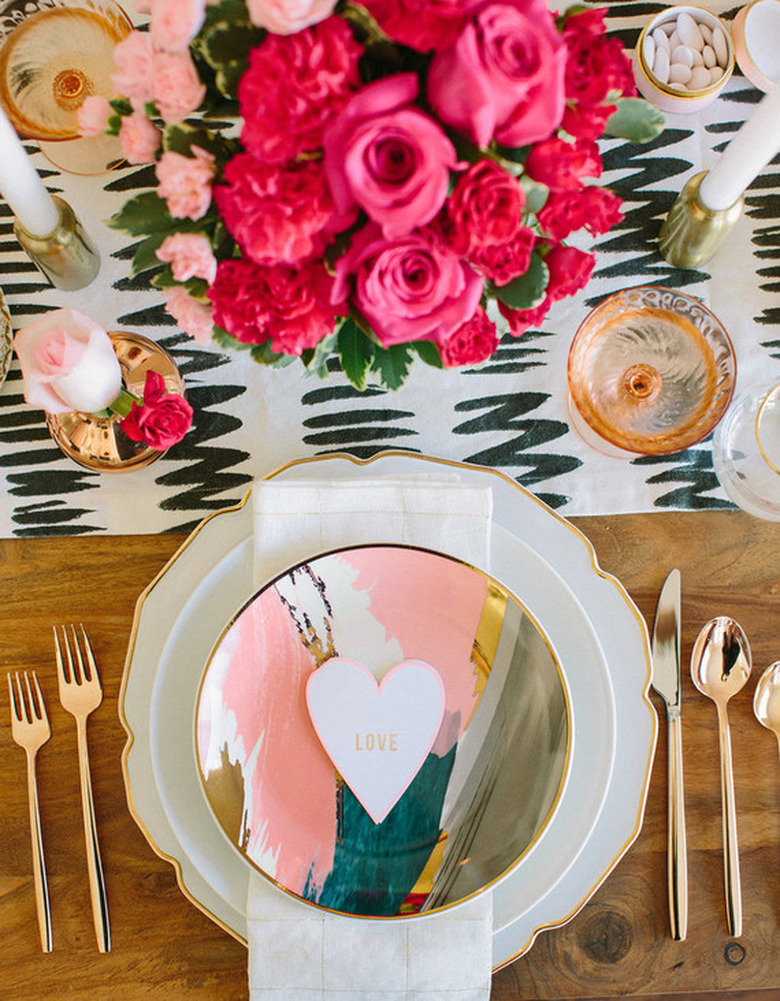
x: 720, y: 666
x: 766, y: 699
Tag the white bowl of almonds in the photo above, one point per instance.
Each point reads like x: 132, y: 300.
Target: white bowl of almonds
x: 683, y: 59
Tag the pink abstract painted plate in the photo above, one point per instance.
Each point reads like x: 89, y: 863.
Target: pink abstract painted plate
x: 494, y: 756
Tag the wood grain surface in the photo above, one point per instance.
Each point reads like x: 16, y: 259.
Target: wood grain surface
x: 617, y: 945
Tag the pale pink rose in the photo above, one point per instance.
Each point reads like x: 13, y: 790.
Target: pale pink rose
x: 175, y: 23
x: 185, y: 182
x: 68, y: 363
x: 140, y: 138
x: 93, y: 115
x: 388, y: 157
x: 285, y: 17
x: 133, y: 58
x: 177, y: 88
x: 189, y: 255
x: 193, y: 317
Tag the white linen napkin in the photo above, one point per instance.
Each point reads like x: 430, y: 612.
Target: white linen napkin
x: 300, y: 953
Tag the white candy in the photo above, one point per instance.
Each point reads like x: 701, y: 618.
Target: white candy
x: 720, y: 46
x: 661, y: 39
x: 700, y: 78
x: 679, y: 73
x: 682, y: 55
x: 648, y: 50
x: 708, y: 56
x: 689, y: 32
x: 675, y: 85
x: 661, y: 65
x: 674, y: 40
x: 697, y: 59
x: 706, y: 33
x: 716, y: 73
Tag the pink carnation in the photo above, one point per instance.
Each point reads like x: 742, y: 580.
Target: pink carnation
x: 140, y: 138
x: 285, y: 17
x: 294, y: 86
x: 193, y: 317
x: 290, y: 307
x: 503, y: 76
x: 175, y: 23
x: 388, y: 157
x: 409, y: 289
x: 134, y: 77
x: 473, y: 342
x: 421, y: 24
x: 93, y: 115
x: 177, y: 88
x: 189, y: 255
x: 185, y: 182
x: 277, y: 214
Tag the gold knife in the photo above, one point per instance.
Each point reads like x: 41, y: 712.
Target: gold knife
x: 666, y: 681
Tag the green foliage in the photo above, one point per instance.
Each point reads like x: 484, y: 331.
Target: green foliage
x: 635, y: 120
x: 391, y: 365
x: 527, y: 290
x: 143, y: 215
x: 356, y: 352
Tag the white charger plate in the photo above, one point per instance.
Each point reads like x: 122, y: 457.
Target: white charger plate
x: 601, y: 809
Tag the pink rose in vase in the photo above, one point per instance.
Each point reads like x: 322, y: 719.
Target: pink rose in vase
x: 410, y: 288
x: 388, y: 157
x: 68, y: 363
x: 162, y: 419
x: 503, y: 77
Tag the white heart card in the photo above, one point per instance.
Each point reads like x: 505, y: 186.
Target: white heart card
x: 377, y: 735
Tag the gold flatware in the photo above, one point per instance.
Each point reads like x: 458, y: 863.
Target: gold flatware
x: 666, y: 681
x: 720, y: 667
x: 30, y: 729
x: 81, y: 694
x: 766, y: 699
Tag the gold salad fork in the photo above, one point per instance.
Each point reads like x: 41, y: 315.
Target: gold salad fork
x: 81, y: 694
x: 30, y: 729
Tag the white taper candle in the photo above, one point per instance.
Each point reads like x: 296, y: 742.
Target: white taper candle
x: 21, y: 186
x: 751, y: 149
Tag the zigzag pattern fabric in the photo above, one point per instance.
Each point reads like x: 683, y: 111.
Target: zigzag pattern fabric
x: 510, y: 414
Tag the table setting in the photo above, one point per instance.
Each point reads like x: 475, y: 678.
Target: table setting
x: 390, y: 443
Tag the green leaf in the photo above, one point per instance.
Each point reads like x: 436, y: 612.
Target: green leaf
x: 428, y: 352
x: 144, y: 214
x: 527, y: 290
x: 635, y: 120
x: 355, y: 351
x: 316, y: 360
x: 145, y: 256
x: 221, y: 337
x: 121, y: 106
x: 229, y: 42
x: 391, y: 365
x: 181, y: 138
x: 264, y: 354
x: 536, y: 194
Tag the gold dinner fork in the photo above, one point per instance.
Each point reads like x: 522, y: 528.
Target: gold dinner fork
x: 81, y: 694
x: 30, y: 729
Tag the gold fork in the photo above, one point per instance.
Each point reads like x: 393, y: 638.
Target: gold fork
x: 81, y: 694
x: 30, y: 729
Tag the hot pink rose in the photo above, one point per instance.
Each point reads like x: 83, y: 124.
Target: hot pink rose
x: 290, y: 307
x: 133, y: 58
x: 285, y: 17
x: 68, y: 363
x: 193, y: 317
x: 388, y: 158
x: 176, y: 88
x: 560, y: 164
x: 473, y: 342
x: 175, y: 23
x: 503, y: 77
x: 501, y: 262
x: 189, y: 255
x: 409, y: 289
x: 162, y: 419
x: 185, y: 182
x: 421, y: 24
x: 93, y: 115
x: 485, y: 208
x: 140, y: 138
x: 294, y: 86
x: 278, y: 214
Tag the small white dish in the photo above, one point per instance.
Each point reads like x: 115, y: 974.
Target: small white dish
x: 756, y: 35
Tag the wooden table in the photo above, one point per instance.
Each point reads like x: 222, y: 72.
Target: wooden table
x: 618, y: 944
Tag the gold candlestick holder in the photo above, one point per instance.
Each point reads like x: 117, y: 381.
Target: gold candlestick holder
x: 692, y: 233
x: 67, y: 256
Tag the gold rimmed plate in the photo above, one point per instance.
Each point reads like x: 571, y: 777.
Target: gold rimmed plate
x: 462, y: 749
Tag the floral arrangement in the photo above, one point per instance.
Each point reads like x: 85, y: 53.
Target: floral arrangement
x: 68, y: 363
x: 378, y: 181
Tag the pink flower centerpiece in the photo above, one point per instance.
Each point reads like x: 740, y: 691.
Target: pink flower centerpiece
x: 406, y: 176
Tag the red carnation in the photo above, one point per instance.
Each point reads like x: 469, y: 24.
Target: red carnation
x: 505, y: 261
x: 570, y: 270
x: 561, y: 165
x: 473, y: 341
x: 485, y: 208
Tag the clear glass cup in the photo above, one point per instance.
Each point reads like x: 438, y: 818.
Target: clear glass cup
x: 746, y: 451
x: 53, y: 55
x: 650, y: 371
